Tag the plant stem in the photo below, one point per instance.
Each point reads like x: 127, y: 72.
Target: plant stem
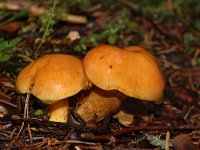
x: 48, y: 26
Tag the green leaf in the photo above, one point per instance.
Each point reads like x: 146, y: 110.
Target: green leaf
x: 112, y: 38
x: 132, y: 25
x: 188, y: 37
x: 3, y: 45
x: 85, y: 4
x: 38, y: 112
x: 77, y: 48
x: 197, y: 25
x: 14, y: 41
x: 4, y: 57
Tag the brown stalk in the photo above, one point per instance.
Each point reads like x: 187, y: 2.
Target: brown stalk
x: 90, y: 136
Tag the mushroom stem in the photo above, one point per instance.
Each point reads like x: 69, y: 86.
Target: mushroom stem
x: 94, y: 106
x: 58, y: 111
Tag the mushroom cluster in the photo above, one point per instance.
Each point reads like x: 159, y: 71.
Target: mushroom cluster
x: 115, y: 74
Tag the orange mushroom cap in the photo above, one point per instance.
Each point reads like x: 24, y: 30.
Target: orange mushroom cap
x: 52, y: 77
x: 133, y: 71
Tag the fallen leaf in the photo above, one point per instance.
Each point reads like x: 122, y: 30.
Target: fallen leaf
x: 124, y: 118
x: 183, y: 142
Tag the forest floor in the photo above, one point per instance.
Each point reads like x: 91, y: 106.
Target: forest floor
x: 168, y: 29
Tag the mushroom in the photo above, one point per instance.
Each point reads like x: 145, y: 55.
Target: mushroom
x: 132, y: 71
x: 97, y: 103
x: 53, y: 78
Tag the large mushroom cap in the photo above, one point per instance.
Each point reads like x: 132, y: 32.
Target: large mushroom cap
x: 52, y: 77
x: 133, y: 71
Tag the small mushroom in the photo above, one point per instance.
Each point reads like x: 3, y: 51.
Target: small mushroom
x: 132, y: 71
x: 53, y: 78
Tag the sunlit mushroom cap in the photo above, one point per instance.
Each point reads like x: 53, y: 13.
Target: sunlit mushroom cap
x: 133, y: 71
x: 52, y: 77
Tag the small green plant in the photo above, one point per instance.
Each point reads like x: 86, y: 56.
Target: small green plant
x: 188, y: 40
x: 48, y: 21
x: 157, y: 141
x: 7, y: 16
x: 110, y: 33
x: 7, y: 48
x: 196, y: 25
x: 38, y: 112
x: 83, y: 5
